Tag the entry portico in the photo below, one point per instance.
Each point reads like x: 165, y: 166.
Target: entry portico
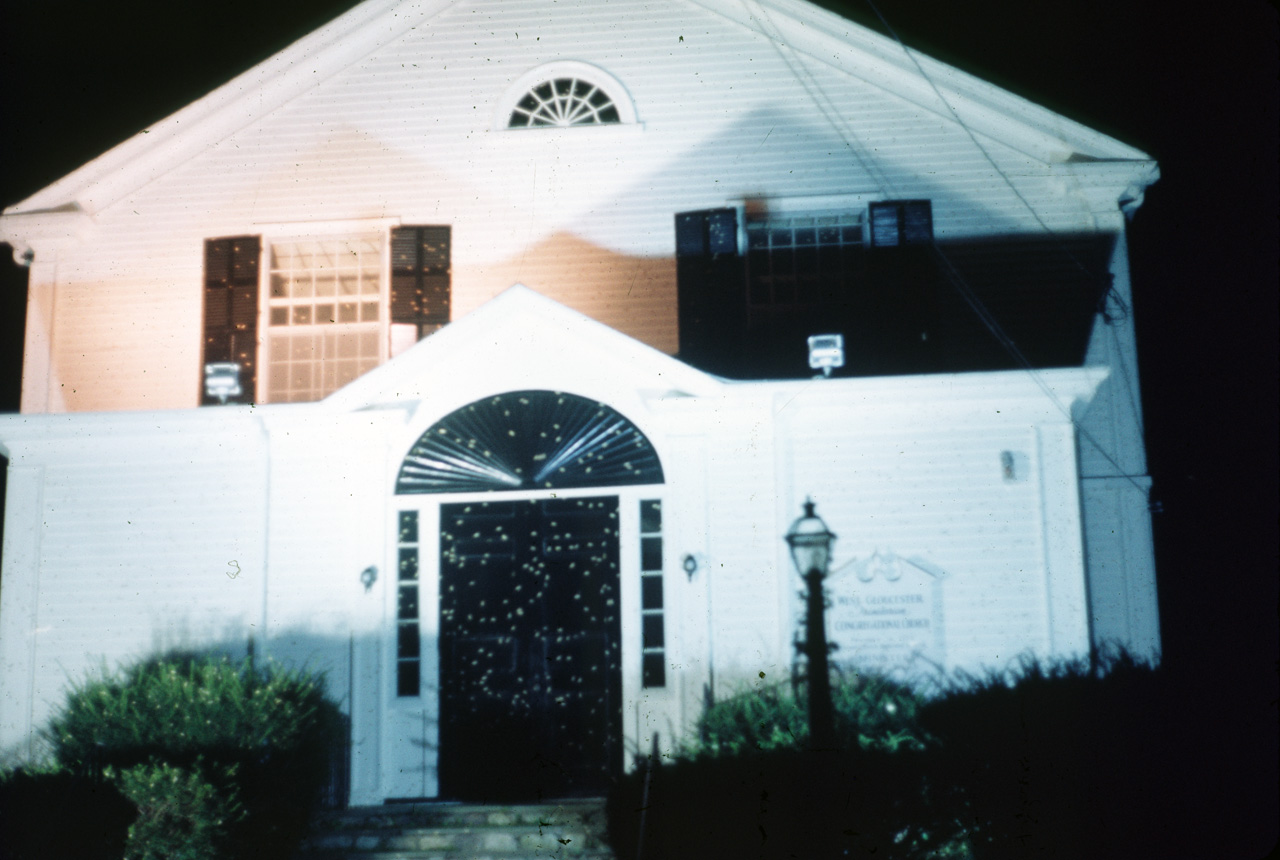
x: 530, y: 542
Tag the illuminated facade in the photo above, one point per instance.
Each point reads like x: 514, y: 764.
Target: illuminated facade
x: 279, y: 387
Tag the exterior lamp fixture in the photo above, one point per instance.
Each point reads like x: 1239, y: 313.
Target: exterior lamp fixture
x: 810, y: 541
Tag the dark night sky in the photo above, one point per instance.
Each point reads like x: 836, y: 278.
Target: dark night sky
x: 1196, y: 87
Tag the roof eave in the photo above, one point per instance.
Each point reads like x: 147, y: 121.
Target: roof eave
x: 165, y: 144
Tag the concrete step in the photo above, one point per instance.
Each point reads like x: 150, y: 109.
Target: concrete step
x: 435, y: 831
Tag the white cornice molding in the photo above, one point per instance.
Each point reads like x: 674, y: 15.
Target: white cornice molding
x: 39, y: 233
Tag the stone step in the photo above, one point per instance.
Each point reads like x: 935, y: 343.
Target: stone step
x: 588, y: 813
x: 436, y: 831
x: 538, y: 840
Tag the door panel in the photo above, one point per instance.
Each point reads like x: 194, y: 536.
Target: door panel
x: 529, y: 648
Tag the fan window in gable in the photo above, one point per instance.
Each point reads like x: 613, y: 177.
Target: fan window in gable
x: 325, y: 317
x: 564, y: 102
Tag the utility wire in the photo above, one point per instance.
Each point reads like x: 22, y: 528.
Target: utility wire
x: 815, y: 91
x: 813, y: 88
x: 976, y: 304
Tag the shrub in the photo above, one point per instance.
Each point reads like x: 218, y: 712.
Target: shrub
x: 258, y: 739
x: 1059, y: 759
x: 750, y: 787
x: 779, y: 805
x: 46, y: 815
x: 870, y: 712
x: 1062, y: 758
x: 182, y: 814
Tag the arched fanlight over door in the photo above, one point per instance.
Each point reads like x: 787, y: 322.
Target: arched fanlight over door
x: 526, y: 440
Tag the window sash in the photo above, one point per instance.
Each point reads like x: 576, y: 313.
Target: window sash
x: 325, y: 314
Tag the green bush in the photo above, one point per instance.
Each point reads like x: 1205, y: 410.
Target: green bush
x: 182, y: 815
x: 870, y: 712
x: 749, y: 786
x: 227, y: 736
x: 781, y: 805
x: 1066, y: 758
x: 1062, y: 758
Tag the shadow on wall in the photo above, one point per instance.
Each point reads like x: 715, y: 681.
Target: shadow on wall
x: 633, y: 294
x: 13, y: 315
x: 926, y: 308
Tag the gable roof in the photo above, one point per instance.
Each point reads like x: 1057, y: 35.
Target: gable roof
x: 522, y: 340
x: 798, y: 28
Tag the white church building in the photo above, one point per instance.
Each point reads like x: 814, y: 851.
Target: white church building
x: 459, y: 351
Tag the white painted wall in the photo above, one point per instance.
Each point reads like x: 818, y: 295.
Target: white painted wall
x: 118, y: 547
x: 395, y: 120
x: 122, y: 540
x: 408, y: 134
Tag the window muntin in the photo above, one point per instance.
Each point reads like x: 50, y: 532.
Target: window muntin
x: 562, y: 102
x: 524, y: 440
x: 652, y: 625
x: 325, y: 315
x: 802, y: 260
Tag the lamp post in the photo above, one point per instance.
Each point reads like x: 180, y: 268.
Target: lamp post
x: 810, y: 541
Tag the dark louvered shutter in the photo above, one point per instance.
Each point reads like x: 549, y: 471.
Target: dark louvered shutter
x: 901, y: 222
x: 420, y: 277
x: 902, y: 292
x: 230, y: 316
x: 711, y: 290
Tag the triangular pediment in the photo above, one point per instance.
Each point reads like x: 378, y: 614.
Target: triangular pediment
x: 521, y: 340
x: 809, y: 37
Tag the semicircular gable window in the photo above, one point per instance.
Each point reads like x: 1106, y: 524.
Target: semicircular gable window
x: 526, y: 440
x: 562, y: 102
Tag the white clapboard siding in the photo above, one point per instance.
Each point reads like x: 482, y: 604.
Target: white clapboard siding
x: 143, y: 550
x: 329, y: 488
x: 409, y: 133
x: 888, y: 483
x: 940, y: 496
x: 124, y: 528
x: 1122, y: 580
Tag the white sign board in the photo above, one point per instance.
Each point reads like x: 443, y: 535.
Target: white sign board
x: 885, y: 614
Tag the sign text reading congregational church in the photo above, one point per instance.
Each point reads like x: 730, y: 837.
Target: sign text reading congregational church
x: 885, y: 614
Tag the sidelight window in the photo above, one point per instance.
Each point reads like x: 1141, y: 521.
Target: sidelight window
x: 652, y: 632
x: 408, y: 610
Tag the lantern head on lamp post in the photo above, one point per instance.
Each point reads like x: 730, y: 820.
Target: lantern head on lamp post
x: 810, y: 541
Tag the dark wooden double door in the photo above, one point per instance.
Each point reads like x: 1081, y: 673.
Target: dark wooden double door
x: 530, y: 653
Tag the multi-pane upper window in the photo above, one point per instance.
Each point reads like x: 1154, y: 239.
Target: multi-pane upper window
x: 564, y: 102
x: 329, y: 314
x: 802, y: 260
x: 324, y: 315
